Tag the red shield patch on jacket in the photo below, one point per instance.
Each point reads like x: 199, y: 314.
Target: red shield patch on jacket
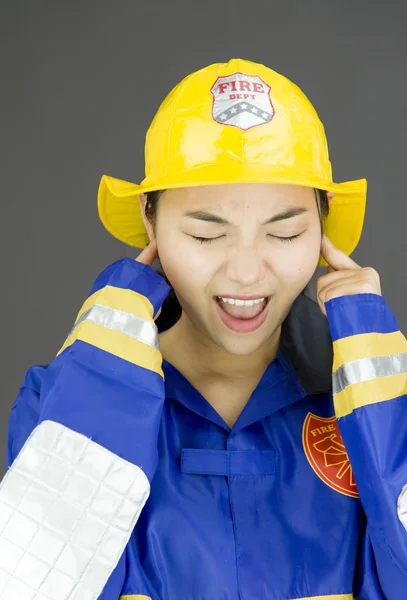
x: 326, y: 453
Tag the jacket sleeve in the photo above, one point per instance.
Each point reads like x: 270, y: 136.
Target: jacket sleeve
x: 370, y: 399
x: 82, y: 447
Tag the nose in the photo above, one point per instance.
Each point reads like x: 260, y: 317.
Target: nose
x: 245, y: 265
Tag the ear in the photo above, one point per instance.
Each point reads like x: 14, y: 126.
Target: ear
x: 147, y: 224
x: 330, y: 195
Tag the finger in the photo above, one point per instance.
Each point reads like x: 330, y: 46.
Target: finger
x: 348, y: 289
x: 149, y: 254
x: 346, y: 286
x: 147, y: 257
x: 329, y: 279
x: 322, y: 288
x: 361, y: 276
x: 321, y: 303
x: 364, y: 281
x: 335, y: 258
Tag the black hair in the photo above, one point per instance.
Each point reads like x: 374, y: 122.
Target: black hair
x: 171, y: 309
x: 152, y: 204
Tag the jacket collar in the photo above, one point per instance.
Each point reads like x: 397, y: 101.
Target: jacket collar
x: 278, y: 387
x: 306, y: 343
x: 303, y: 367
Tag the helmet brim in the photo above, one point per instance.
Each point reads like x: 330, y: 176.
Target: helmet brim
x: 119, y: 208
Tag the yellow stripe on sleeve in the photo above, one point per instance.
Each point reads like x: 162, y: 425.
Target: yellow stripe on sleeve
x: 134, y: 597
x: 334, y: 597
x: 369, y: 392
x: 367, y: 345
x: 117, y: 343
x: 120, y: 299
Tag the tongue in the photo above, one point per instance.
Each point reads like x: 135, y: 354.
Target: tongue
x: 242, y: 312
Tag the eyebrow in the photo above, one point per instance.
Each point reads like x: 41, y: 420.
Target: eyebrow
x: 202, y: 215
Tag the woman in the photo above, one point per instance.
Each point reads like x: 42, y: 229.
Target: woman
x: 213, y: 461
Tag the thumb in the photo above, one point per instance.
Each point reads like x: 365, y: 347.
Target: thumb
x: 149, y: 254
x: 147, y: 257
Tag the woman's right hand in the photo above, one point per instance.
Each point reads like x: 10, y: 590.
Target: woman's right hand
x: 147, y: 257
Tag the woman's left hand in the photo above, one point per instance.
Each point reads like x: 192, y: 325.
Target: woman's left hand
x: 344, y: 276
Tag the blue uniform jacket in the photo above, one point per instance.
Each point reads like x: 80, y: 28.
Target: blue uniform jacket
x: 130, y: 485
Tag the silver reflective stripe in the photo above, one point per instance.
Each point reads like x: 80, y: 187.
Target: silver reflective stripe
x: 119, y: 320
x: 67, y: 509
x: 402, y: 507
x: 367, y: 369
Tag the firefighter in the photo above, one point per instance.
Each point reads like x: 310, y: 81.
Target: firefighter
x: 214, y: 433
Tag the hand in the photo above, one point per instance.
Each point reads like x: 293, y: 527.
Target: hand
x: 147, y: 257
x: 149, y: 254
x: 344, y: 277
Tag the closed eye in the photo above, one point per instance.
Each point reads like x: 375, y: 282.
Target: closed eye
x: 291, y: 238
x: 208, y: 240
x: 204, y: 240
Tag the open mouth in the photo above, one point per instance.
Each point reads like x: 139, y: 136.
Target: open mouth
x: 242, y: 315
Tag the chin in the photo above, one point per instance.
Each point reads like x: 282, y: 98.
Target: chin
x: 242, y: 345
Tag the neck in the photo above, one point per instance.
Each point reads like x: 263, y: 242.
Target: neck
x: 184, y: 346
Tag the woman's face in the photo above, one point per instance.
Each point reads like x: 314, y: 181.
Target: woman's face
x: 224, y: 245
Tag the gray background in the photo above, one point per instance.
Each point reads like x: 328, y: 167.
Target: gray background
x: 80, y: 83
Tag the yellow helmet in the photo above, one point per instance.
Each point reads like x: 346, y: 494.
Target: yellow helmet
x: 234, y: 122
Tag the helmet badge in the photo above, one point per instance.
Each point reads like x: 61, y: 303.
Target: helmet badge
x: 241, y: 101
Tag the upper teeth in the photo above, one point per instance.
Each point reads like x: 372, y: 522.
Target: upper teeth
x: 241, y: 302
